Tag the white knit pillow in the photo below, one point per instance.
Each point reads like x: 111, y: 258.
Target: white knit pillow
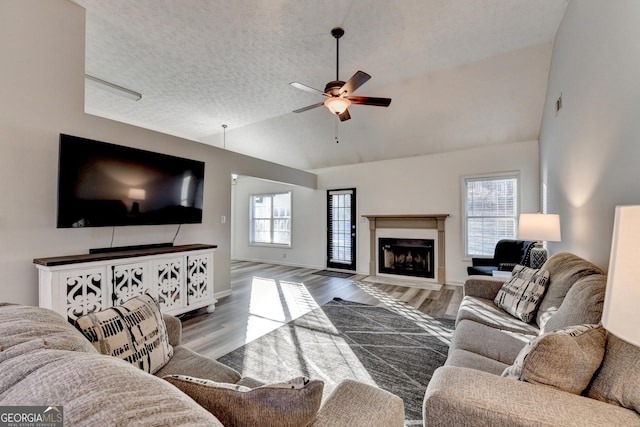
x: 522, y: 293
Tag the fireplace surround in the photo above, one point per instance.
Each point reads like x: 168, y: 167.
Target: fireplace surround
x: 382, y: 226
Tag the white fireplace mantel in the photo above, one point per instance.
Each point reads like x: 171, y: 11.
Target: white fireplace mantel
x: 409, y: 221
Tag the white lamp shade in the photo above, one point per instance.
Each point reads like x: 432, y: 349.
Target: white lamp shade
x: 337, y: 105
x: 539, y: 227
x: 137, y: 194
x: 621, y: 315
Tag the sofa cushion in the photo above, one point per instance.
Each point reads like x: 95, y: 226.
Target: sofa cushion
x: 26, y: 327
x: 465, y: 397
x: 565, y: 269
x: 354, y: 403
x: 565, y: 359
x: 485, y: 287
x: 521, y: 294
x: 583, y: 304
x: 618, y: 379
x: 134, y: 331
x: 486, y: 312
x: 503, y: 346
x: 467, y: 359
x: 292, y: 404
x: 96, y: 390
x: 250, y: 382
x: 187, y: 362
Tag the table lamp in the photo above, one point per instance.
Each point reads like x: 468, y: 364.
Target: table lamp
x: 539, y: 227
x: 621, y: 315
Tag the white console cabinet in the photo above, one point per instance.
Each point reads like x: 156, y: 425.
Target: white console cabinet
x: 179, y: 277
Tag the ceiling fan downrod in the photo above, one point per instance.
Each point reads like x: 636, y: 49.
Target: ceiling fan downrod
x: 337, y: 32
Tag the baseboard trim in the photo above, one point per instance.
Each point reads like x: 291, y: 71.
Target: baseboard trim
x: 289, y: 264
x: 223, y: 294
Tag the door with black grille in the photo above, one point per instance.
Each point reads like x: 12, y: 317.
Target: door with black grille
x: 341, y: 229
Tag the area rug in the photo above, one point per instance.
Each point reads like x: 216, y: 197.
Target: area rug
x: 333, y: 273
x: 394, y: 349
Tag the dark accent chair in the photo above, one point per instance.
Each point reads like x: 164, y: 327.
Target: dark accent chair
x: 507, y: 254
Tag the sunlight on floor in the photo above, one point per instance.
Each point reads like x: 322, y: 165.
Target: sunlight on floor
x: 406, y: 310
x: 320, y: 338
x: 274, y: 303
x: 265, y: 300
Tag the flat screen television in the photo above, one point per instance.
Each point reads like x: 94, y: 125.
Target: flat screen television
x: 104, y: 185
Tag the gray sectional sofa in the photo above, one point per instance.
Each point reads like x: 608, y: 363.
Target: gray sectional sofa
x: 469, y: 389
x: 45, y: 361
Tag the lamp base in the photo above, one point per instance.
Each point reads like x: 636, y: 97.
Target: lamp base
x: 537, y: 256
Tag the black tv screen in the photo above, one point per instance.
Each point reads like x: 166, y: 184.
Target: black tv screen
x: 104, y: 185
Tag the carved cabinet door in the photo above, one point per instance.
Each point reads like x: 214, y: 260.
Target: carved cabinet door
x: 127, y: 281
x: 84, y: 291
x: 168, y: 279
x: 199, y: 278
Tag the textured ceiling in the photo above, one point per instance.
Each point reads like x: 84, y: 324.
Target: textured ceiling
x: 461, y: 72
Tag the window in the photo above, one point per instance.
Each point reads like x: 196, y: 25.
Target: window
x: 271, y: 219
x: 490, y: 212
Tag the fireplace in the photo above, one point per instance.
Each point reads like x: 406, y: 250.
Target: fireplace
x: 416, y: 248
x: 406, y: 257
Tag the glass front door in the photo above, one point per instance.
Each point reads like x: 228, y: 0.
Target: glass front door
x: 341, y: 229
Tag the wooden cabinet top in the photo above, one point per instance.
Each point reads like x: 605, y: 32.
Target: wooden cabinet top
x: 106, y: 256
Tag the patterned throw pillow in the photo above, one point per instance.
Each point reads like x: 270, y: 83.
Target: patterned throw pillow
x: 565, y: 359
x: 522, y: 293
x: 291, y: 404
x: 134, y: 331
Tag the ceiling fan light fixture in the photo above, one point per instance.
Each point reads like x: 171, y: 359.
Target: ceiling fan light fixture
x: 337, y: 105
x: 340, y: 94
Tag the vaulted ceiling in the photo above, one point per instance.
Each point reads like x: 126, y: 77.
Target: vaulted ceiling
x: 461, y: 73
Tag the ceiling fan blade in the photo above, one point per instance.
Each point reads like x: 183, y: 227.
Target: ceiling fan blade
x: 307, y: 88
x: 344, y: 116
x: 310, y: 107
x: 368, y: 100
x: 358, y: 79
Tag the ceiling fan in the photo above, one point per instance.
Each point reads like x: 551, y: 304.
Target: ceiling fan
x: 340, y: 94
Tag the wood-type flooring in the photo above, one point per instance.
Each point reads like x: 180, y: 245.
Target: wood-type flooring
x: 266, y: 296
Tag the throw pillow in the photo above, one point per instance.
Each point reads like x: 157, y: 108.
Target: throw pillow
x: 520, y: 295
x: 134, y: 331
x: 565, y: 359
x: 291, y: 404
x: 618, y: 379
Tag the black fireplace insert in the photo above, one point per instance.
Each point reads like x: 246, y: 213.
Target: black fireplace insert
x: 406, y: 257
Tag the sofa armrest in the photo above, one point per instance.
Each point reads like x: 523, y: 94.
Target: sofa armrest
x: 486, y: 287
x: 477, y: 262
x: 462, y: 397
x: 356, y: 404
x: 174, y: 329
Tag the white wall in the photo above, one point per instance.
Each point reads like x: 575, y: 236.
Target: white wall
x: 42, y: 74
x: 307, y: 229
x: 589, y: 152
x: 418, y: 185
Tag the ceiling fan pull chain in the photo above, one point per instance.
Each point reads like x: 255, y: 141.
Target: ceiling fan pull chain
x: 337, y: 123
